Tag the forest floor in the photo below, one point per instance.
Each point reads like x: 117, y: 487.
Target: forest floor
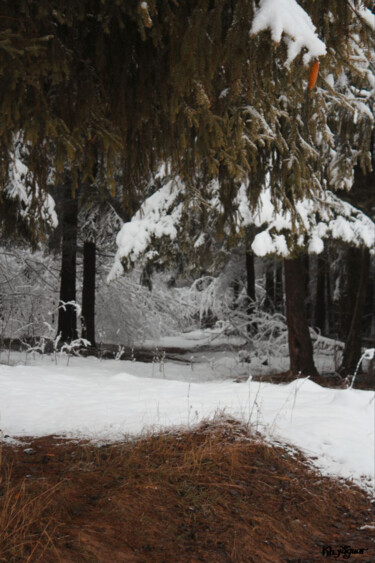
x: 182, y: 455
x: 214, y: 493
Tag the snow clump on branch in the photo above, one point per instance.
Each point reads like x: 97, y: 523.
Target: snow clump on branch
x: 319, y: 218
x: 288, y: 20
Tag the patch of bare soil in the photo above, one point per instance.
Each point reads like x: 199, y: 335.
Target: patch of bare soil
x: 213, y: 494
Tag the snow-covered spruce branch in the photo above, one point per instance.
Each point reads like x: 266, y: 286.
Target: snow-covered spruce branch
x: 279, y: 232
x: 19, y: 189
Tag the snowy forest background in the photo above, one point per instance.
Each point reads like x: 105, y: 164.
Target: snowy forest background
x: 274, y: 246
x: 241, y: 296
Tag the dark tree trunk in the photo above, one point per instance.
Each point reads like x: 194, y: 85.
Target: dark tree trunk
x: 250, y: 276
x: 279, y: 289
x: 342, y: 309
x: 67, y: 322
x: 372, y: 294
x: 236, y: 286
x: 330, y: 316
x: 358, y: 264
x: 362, y: 196
x: 305, y: 261
x: 320, y: 299
x: 367, y: 321
x: 300, y: 345
x: 250, y: 287
x: 88, y: 292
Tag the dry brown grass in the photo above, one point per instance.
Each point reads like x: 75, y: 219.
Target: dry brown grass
x: 26, y: 520
x: 214, y: 494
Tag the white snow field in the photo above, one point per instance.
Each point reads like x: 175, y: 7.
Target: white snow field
x: 107, y: 400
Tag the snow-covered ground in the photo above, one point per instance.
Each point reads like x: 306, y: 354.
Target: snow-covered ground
x: 108, y: 399
x: 232, y: 356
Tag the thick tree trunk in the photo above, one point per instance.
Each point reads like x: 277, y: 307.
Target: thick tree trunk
x: 305, y: 261
x: 300, y: 345
x: 369, y: 307
x: 88, y: 292
x: 67, y: 322
x: 358, y: 264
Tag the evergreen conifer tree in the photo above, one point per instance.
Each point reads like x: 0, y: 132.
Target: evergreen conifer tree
x: 215, y: 87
